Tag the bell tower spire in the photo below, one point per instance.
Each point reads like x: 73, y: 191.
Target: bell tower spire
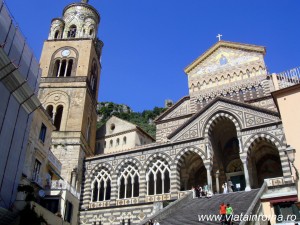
x: 69, y: 86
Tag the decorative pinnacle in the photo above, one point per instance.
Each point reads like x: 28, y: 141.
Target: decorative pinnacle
x: 85, y: 1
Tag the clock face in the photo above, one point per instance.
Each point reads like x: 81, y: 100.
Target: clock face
x: 65, y: 52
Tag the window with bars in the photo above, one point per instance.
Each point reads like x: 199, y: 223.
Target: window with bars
x: 128, y: 182
x: 101, y: 186
x: 158, y: 177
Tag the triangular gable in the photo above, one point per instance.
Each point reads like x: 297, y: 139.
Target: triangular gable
x: 224, y: 56
x: 180, y: 108
x: 247, y: 116
x: 114, y: 125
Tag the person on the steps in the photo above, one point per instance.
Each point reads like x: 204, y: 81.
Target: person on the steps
x: 230, y: 186
x: 229, y: 214
x: 156, y: 222
x: 194, y: 191
x: 150, y: 222
x: 225, y: 189
x: 223, y: 213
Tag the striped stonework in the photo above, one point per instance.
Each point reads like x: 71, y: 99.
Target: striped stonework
x: 280, y: 145
x: 210, y: 124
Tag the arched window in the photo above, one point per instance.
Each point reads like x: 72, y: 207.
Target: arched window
x: 111, y: 143
x: 72, y: 31
x: 56, y: 68
x: 63, y: 68
x: 69, y: 68
x: 93, y: 78
x: 88, y: 130
x: 49, y: 110
x: 128, y: 182
x: 58, y: 117
x: 104, y: 144
x: 118, y: 142
x: 101, y: 186
x: 158, y: 177
x: 91, y: 32
x: 56, y: 35
x: 124, y: 140
x: 254, y: 92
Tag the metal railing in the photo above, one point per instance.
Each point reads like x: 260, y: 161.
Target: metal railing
x: 63, y: 185
x: 288, y: 78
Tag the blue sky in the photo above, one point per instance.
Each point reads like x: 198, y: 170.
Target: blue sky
x: 148, y: 43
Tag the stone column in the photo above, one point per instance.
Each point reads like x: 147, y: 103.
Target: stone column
x: 74, y: 177
x: 217, y: 181
x: 209, y: 178
x: 246, y: 173
x: 175, y: 182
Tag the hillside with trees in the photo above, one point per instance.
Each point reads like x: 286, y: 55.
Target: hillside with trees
x: 143, y: 119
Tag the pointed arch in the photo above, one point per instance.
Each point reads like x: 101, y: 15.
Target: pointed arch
x: 187, y: 151
x: 101, y: 185
x: 158, y: 173
x: 128, y: 181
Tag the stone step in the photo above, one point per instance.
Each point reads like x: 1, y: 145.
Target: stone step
x: 188, y: 214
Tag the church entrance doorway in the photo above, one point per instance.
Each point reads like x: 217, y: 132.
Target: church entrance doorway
x: 264, y: 162
x: 192, y: 172
x: 226, y: 158
x: 235, y: 173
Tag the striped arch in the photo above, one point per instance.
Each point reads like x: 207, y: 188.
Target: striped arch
x: 185, y: 152
x: 96, y: 169
x: 281, y: 146
x: 256, y: 138
x: 157, y: 155
x: 214, y: 119
x: 127, y: 178
x: 127, y: 161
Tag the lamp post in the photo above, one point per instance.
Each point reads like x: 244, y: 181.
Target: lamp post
x: 290, y: 153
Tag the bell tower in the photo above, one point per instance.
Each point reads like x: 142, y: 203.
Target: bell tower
x: 69, y: 85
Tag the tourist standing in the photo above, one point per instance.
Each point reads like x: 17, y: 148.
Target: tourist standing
x: 223, y: 213
x: 150, y: 222
x: 225, y: 189
x: 205, y: 189
x: 230, y: 186
x: 194, y: 191
x: 229, y: 214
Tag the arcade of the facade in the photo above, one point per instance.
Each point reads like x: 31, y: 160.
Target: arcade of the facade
x: 226, y: 128
x: 230, y: 145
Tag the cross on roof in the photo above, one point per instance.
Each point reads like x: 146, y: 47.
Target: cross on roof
x: 219, y: 36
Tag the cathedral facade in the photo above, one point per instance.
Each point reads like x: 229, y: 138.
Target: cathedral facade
x: 227, y: 127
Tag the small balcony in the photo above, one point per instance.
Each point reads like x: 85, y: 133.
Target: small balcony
x: 63, y: 185
x: 54, y: 161
x: 37, y: 179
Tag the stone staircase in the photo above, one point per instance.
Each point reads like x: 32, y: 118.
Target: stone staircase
x: 187, y: 214
x: 7, y: 217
